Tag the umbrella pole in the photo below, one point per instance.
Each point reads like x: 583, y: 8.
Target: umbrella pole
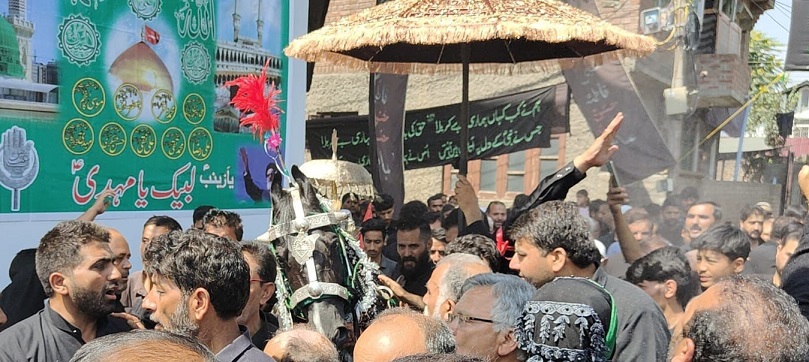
x: 464, y: 136
x: 463, y: 162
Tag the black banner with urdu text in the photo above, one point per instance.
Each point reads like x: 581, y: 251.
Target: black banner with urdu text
x: 431, y: 136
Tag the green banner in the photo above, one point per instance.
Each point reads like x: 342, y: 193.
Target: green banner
x: 128, y: 95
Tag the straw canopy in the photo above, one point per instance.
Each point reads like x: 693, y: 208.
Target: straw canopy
x: 505, y: 36
x: 335, y: 178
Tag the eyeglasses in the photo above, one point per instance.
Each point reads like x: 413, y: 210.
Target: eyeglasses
x: 463, y: 318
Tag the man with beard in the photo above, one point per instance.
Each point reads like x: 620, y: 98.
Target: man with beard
x: 121, y: 254
x: 413, y: 242
x: 497, y: 212
x: 671, y: 221
x: 262, y: 326
x: 75, y: 266
x: 752, y: 223
x: 199, y: 285
x: 553, y: 241
x: 446, y: 281
x: 436, y: 202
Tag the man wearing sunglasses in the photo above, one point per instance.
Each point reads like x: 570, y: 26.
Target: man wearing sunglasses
x: 483, y: 319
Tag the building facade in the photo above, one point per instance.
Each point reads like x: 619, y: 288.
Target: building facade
x: 713, y: 72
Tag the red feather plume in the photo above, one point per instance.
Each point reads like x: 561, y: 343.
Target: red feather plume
x: 253, y: 96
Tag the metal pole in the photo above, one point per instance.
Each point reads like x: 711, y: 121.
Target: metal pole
x: 464, y: 121
x: 741, y: 144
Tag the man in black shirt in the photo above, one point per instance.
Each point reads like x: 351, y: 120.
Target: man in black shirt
x: 552, y: 240
x: 413, y: 240
x: 262, y: 287
x: 75, y: 266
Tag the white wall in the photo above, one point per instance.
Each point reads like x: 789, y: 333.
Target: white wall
x: 19, y: 234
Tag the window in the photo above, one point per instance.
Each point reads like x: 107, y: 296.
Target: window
x: 728, y: 7
x: 504, y: 177
x: 804, y: 104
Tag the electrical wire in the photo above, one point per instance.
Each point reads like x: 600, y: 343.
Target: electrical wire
x: 771, y: 17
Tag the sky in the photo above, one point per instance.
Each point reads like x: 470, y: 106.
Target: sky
x: 45, y: 29
x: 775, y: 24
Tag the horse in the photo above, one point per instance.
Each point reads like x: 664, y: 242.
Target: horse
x: 324, y: 278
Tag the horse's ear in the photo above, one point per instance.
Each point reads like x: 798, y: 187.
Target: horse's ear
x: 298, y: 175
x: 275, y: 188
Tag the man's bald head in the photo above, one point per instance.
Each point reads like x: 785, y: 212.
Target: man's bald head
x: 144, y: 345
x: 301, y: 344
x: 402, y: 332
x: 120, y: 248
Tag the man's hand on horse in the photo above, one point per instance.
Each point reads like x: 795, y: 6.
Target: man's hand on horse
x: 401, y: 294
x: 602, y: 148
x: 397, y: 289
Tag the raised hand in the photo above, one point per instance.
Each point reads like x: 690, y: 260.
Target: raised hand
x: 20, y: 163
x: 602, y: 149
x: 243, y: 156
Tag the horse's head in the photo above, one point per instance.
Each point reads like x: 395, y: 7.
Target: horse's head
x: 313, y: 260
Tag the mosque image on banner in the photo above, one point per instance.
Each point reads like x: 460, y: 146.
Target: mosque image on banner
x: 129, y: 96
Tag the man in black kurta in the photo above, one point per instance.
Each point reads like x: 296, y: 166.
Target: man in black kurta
x: 46, y: 336
x: 75, y: 265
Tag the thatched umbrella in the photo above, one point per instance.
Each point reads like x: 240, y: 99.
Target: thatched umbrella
x: 484, y: 36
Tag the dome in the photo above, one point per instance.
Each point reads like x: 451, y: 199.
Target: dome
x: 141, y: 66
x: 9, y: 51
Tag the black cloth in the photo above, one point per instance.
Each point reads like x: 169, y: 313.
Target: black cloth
x: 795, y: 277
x: 552, y: 187
x: 269, y: 325
x: 390, y: 250
x: 47, y: 337
x: 761, y: 261
x: 25, y: 295
x: 256, y: 193
x: 242, y: 350
x: 388, y: 267
x: 643, y: 333
x: 418, y: 284
x: 673, y: 235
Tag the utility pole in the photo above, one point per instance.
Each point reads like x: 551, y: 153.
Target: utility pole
x: 676, y: 97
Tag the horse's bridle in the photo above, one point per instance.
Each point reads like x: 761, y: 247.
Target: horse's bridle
x: 302, y: 248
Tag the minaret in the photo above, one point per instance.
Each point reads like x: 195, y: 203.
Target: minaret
x: 25, y: 31
x: 237, y: 20
x: 260, y: 25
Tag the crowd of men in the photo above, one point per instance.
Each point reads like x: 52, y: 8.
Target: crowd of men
x: 542, y: 280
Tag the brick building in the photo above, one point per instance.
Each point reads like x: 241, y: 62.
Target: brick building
x: 716, y: 76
